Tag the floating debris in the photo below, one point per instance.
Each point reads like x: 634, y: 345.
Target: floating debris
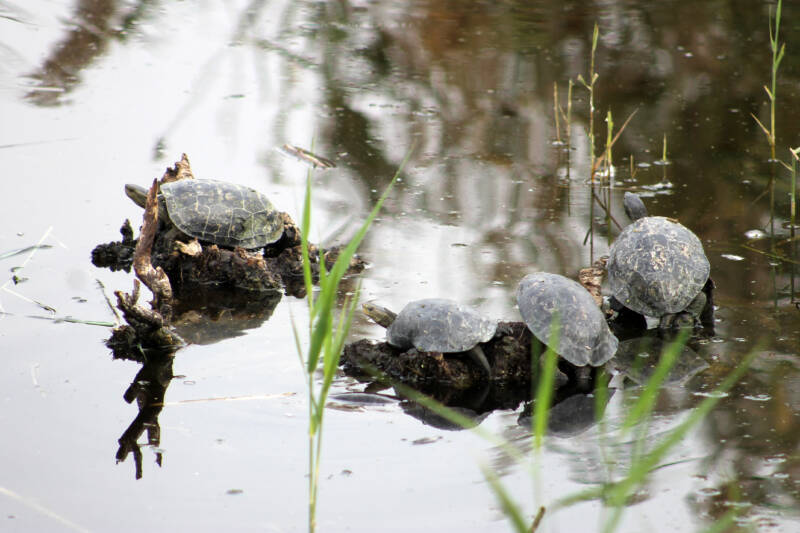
x: 755, y: 234
x: 732, y: 257
x: 12, y: 253
x: 306, y: 156
x: 664, y: 186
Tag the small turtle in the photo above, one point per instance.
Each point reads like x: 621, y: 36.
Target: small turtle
x: 436, y: 325
x: 218, y: 212
x: 657, y: 267
x: 583, y: 335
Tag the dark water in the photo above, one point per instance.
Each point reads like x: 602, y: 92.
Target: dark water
x: 95, y: 94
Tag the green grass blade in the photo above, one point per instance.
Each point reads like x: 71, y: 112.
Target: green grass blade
x: 320, y: 329
x: 617, y: 493
x: 331, y: 363
x: 780, y: 57
x: 510, y: 509
x: 644, y: 405
x: 544, y: 391
x: 620, y: 492
x: 305, y: 228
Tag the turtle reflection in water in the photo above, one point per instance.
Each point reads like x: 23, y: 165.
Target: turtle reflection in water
x: 658, y: 268
x: 637, y: 359
x: 214, y: 211
x: 583, y: 335
x: 436, y: 325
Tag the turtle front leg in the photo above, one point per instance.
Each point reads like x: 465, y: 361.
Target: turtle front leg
x: 583, y: 375
x: 687, y: 317
x: 476, y: 354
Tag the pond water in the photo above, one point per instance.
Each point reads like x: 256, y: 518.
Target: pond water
x: 98, y: 93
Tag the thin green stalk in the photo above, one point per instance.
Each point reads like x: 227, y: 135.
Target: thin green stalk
x: 647, y: 398
x: 510, y: 509
x: 617, y: 493
x: 609, y: 137
x: 609, y: 169
x: 777, y: 56
x: 792, y: 216
x: 590, y: 87
x: 326, y: 334
x: 544, y: 391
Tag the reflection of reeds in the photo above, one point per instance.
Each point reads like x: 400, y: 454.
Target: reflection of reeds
x: 560, y: 114
x: 556, y: 108
x: 326, y: 334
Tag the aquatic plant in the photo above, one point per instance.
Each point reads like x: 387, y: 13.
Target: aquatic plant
x: 793, y: 216
x: 616, y: 493
x: 647, y: 457
x: 777, y: 55
x: 327, y: 333
x: 590, y: 87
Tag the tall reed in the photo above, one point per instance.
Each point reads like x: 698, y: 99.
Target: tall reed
x: 777, y: 55
x: 793, y: 216
x: 327, y: 333
x: 590, y: 87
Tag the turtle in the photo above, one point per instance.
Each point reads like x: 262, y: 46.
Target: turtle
x: 436, y: 325
x: 657, y: 267
x: 219, y: 212
x: 584, y: 338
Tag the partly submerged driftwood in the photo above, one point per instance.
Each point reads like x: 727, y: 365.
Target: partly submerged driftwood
x: 178, y: 270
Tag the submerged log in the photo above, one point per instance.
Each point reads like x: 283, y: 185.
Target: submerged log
x: 181, y: 272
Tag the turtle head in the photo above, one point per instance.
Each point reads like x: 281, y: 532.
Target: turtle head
x: 634, y: 207
x: 137, y: 193
x: 379, y: 314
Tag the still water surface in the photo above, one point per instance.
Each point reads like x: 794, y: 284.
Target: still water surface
x: 95, y: 94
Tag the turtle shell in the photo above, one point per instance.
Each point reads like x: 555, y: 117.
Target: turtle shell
x: 222, y: 213
x: 439, y: 325
x: 657, y: 267
x: 583, y: 335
